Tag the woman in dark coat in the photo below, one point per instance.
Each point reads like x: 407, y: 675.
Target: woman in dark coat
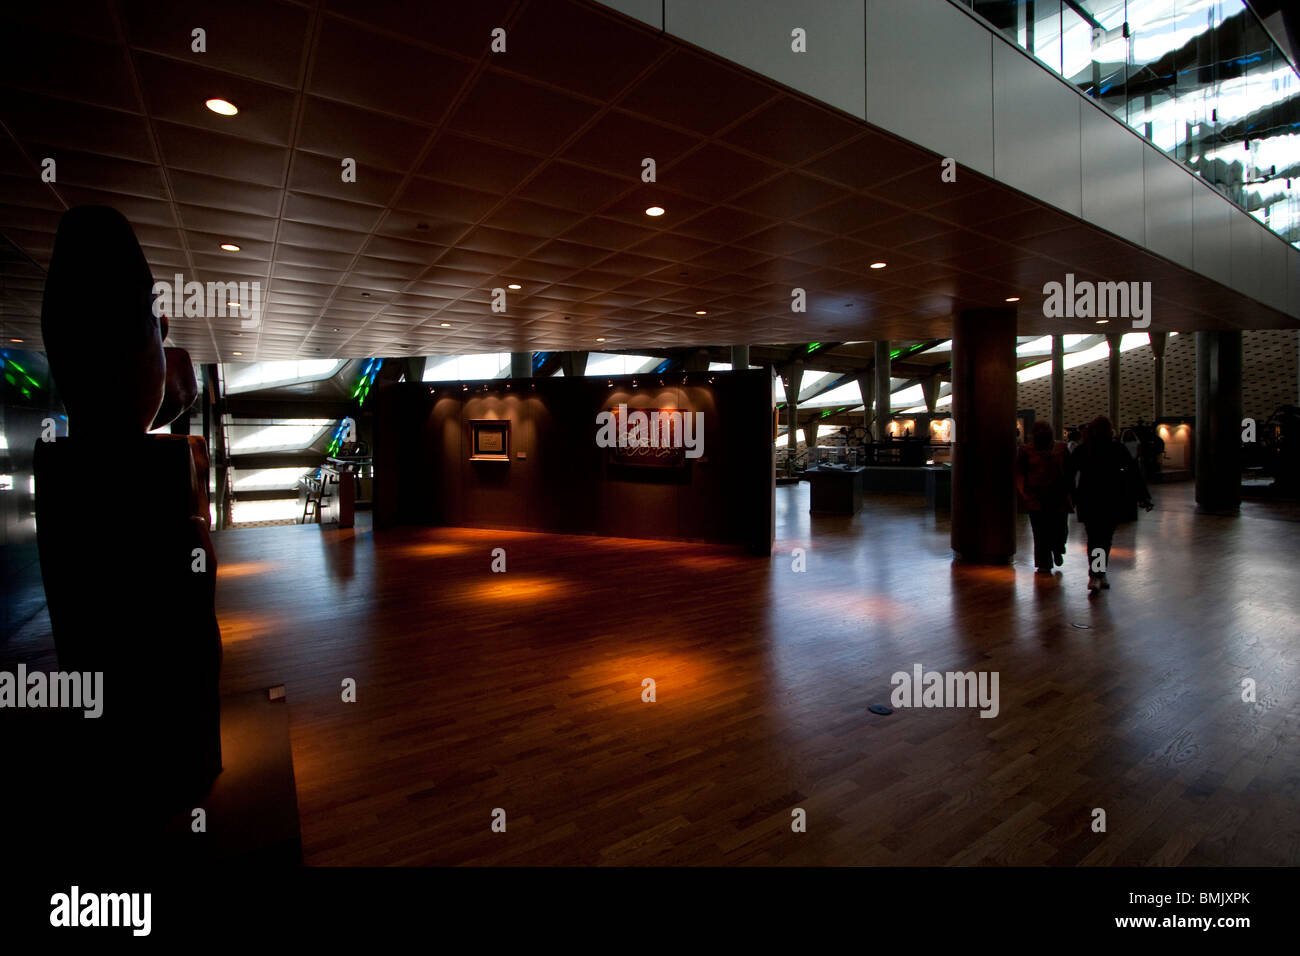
x: 1040, y: 479
x: 1106, y: 483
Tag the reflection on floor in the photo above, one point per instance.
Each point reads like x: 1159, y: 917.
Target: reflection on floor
x: 523, y: 691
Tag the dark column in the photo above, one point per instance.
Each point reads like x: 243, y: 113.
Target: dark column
x: 810, y: 437
x: 413, y: 368
x: 984, y: 450
x: 1218, y: 422
x: 740, y: 357
x: 573, y: 364
x: 930, y: 391
x: 882, y: 388
x: 697, y: 361
x: 1058, y: 387
x: 792, y: 379
x: 1158, y: 342
x: 867, y: 385
x: 217, y: 451
x: 1113, y: 367
x: 521, y: 364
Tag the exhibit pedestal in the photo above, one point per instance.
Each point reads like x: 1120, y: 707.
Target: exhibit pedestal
x: 835, y: 490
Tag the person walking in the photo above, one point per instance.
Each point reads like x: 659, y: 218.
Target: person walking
x: 1041, y: 482
x: 1106, y: 483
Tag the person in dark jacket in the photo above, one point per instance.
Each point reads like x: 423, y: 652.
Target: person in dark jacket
x: 1106, y: 482
x: 1041, y: 481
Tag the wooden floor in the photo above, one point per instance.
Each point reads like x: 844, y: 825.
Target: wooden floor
x: 522, y: 691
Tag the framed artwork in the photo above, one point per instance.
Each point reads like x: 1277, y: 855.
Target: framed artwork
x: 489, y: 440
x: 667, y: 450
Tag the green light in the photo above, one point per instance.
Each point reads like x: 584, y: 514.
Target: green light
x: 813, y: 347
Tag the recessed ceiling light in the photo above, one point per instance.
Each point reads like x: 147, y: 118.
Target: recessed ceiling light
x: 1013, y: 298
x: 655, y: 211
x: 701, y: 312
x: 15, y: 340
x: 232, y: 305
x: 337, y: 329
x: 224, y: 107
x: 879, y: 265
x: 514, y: 285
x: 236, y: 353
x: 229, y: 247
x: 600, y: 339
x: 445, y: 325
x: 1102, y: 321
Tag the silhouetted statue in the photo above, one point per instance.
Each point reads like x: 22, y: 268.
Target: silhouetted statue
x: 122, y: 527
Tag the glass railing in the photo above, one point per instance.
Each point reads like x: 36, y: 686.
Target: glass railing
x: 1200, y: 79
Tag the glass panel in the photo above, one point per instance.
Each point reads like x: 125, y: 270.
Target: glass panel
x: 248, y: 376
x: 1201, y: 79
x: 466, y: 368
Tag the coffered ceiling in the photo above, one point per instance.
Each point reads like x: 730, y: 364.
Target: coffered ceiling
x: 477, y: 169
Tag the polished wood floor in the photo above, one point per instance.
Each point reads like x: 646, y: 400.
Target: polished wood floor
x: 522, y: 691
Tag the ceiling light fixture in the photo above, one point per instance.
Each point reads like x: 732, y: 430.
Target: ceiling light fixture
x: 1102, y: 321
x: 514, y: 285
x: 655, y: 211
x: 15, y: 340
x: 600, y: 339
x: 1013, y: 298
x: 879, y: 265
x: 236, y: 353
x: 701, y: 312
x: 229, y: 247
x: 445, y: 325
x: 222, y: 107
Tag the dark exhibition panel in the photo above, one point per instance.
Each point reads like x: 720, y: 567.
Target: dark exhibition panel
x: 566, y: 439
x: 552, y: 476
